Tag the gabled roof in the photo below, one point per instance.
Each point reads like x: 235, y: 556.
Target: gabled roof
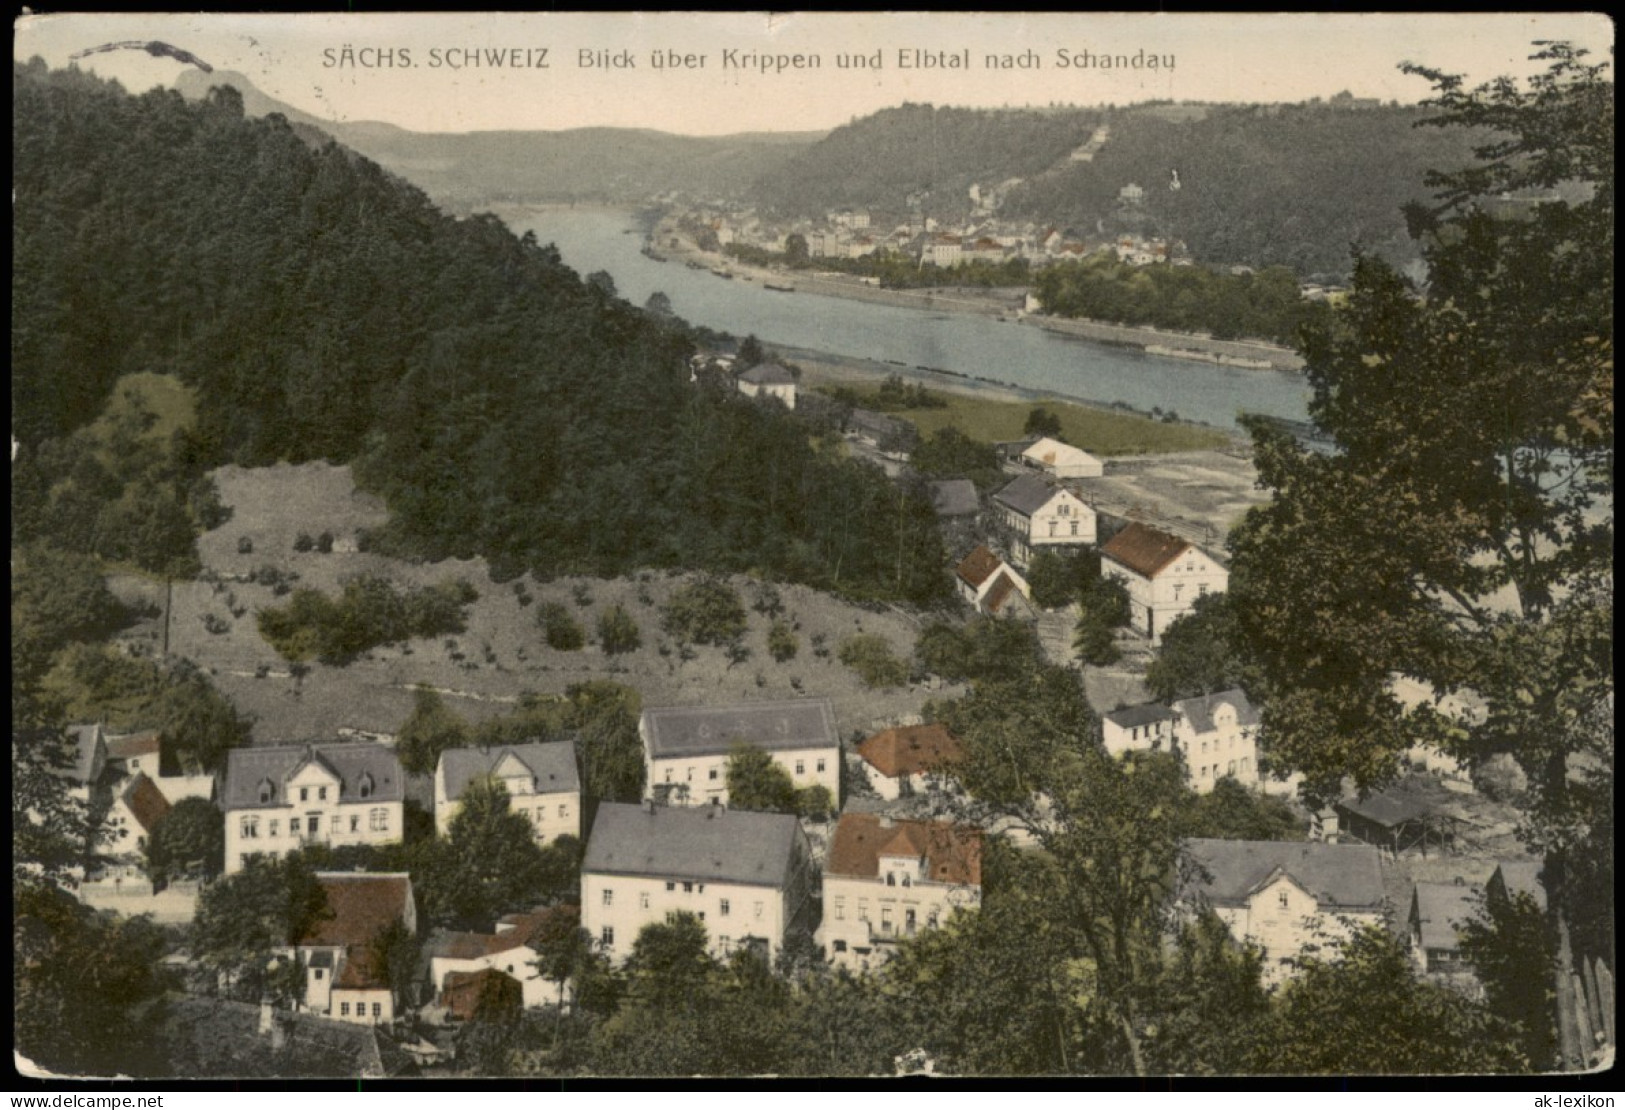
x: 1050, y: 451
x: 1342, y: 877
x: 133, y: 745
x: 1199, y: 711
x: 468, y: 946
x: 911, y: 750
x: 1003, y: 590
x: 1143, y: 549
x: 246, y: 768
x: 771, y: 725
x: 216, y: 1037
x: 706, y: 843
x: 953, y: 853
x: 978, y: 566
x: 1440, y: 908
x: 551, y: 765
x: 145, y: 802
x: 768, y: 373
x: 363, y: 905
x: 1400, y: 802
x: 1027, y: 494
x: 1522, y: 877
x: 1134, y: 716
x: 954, y: 497
x: 85, y: 740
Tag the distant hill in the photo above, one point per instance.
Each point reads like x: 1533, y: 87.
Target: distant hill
x: 880, y: 160
x: 472, y: 169
x: 1259, y: 185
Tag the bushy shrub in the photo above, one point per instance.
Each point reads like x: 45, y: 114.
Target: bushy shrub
x: 705, y: 612
x: 559, y: 628
x: 782, y: 642
x: 871, y: 657
x: 618, y: 632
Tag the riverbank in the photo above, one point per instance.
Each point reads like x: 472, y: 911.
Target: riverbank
x: 1005, y: 305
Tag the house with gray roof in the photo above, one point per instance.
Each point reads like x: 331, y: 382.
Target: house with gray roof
x: 1217, y: 736
x: 1290, y: 898
x: 1438, y: 912
x: 279, y: 799
x: 686, y: 748
x: 769, y: 379
x: 1042, y: 517
x: 746, y: 876
x: 87, y: 750
x: 1138, y: 728
x: 542, y: 782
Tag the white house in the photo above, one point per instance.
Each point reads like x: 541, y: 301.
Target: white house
x: 1217, y: 736
x: 745, y: 875
x: 1138, y: 728
x: 908, y: 760
x: 1043, y: 516
x: 541, y: 779
x: 512, y: 949
x: 277, y: 800
x: 1290, y: 898
x: 1061, y: 460
x: 133, y: 815
x: 686, y: 748
x: 887, y: 880
x: 342, y: 980
x: 1164, y: 575
x: 769, y: 379
x: 992, y: 586
x: 142, y: 752
x: 942, y: 250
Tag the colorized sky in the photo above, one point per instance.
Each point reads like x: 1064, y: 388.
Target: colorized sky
x: 737, y: 72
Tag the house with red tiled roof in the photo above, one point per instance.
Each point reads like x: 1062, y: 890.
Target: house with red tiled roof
x: 887, y: 879
x: 1163, y: 574
x: 341, y: 977
x: 512, y: 949
x: 907, y: 760
x: 134, y: 814
x: 991, y: 585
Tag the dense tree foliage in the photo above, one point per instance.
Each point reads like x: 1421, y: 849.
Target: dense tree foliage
x: 244, y: 918
x: 368, y: 612
x: 1267, y: 185
x: 950, y: 453
x: 871, y: 656
x: 756, y: 781
x: 432, y: 728
x: 1462, y: 532
x: 915, y: 148
x: 189, y: 843
x: 60, y: 597
x: 488, y: 864
x: 1198, y: 653
x: 618, y: 632
x: 88, y: 986
x: 500, y: 404
x: 1103, y: 608
x: 1265, y: 305
x: 1059, y: 577
x: 705, y: 612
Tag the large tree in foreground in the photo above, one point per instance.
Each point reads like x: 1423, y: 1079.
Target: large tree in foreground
x: 1461, y: 532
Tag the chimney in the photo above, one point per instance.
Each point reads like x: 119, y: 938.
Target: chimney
x: 885, y: 821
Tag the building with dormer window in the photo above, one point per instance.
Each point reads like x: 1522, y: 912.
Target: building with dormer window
x: 277, y: 800
x: 886, y: 880
x: 542, y: 782
x: 1042, y: 516
x: 1217, y: 736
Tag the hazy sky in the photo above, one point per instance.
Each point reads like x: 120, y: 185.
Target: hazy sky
x: 299, y: 59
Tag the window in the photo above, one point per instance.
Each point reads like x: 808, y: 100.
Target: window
x: 885, y: 919
x: 564, y: 811
x: 863, y: 909
x: 820, y: 766
x: 1052, y: 527
x: 378, y: 819
x: 266, y: 790
x: 609, y: 897
x: 377, y: 1009
x: 668, y: 774
x: 701, y: 915
x: 304, y: 793
x: 931, y: 920
x: 906, y: 881
x: 1204, y: 747
x: 313, y: 824
x: 344, y: 1009
x: 801, y: 766
x: 338, y: 823
x: 891, y: 879
x: 722, y: 908
x: 840, y: 946
x: 643, y: 899
x: 276, y: 828
x: 607, y: 936
x: 321, y: 793
x: 671, y: 886
x: 355, y: 822
x: 1232, y: 768
x: 316, y: 973
x: 250, y: 827
x: 365, y: 788
x: 908, y: 922
x: 840, y: 909
x: 725, y: 944
x: 691, y: 774
x: 702, y: 888
x: 1283, y: 899
x: 712, y: 774
x: 1201, y: 591
x: 1074, y: 527
x: 688, y: 888
x: 758, y: 909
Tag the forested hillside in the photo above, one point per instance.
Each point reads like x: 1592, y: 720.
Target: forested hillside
x: 469, y: 170
x: 879, y: 160
x: 320, y: 308
x: 1290, y: 185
